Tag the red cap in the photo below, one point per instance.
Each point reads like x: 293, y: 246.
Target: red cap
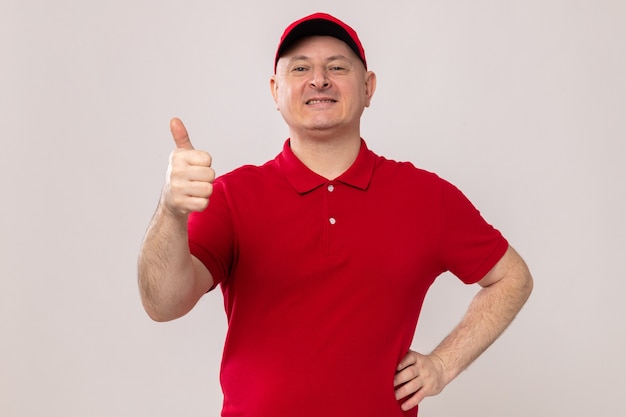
x: 320, y: 24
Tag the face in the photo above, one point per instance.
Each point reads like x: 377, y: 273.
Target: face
x: 322, y: 85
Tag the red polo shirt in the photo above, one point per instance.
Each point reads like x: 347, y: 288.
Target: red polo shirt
x: 323, y: 281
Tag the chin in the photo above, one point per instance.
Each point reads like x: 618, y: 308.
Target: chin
x: 324, y: 124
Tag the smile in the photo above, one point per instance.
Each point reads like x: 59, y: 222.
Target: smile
x: 315, y: 101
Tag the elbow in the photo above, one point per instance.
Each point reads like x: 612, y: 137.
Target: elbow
x: 522, y: 286
x: 156, y: 315
x: 166, y: 304
x: 522, y: 280
x: 528, y: 284
x: 160, y: 315
x: 158, y: 307
x: 161, y: 318
x: 158, y: 311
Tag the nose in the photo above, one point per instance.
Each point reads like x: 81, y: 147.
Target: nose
x: 319, y: 78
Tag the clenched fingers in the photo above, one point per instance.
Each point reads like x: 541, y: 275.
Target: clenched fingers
x: 189, y: 182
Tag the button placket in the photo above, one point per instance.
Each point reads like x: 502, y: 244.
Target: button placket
x: 333, y: 215
x: 331, y: 219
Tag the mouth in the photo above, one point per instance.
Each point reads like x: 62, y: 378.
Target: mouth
x: 320, y: 101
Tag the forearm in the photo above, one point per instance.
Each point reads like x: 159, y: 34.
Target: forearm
x: 489, y: 314
x: 166, y: 278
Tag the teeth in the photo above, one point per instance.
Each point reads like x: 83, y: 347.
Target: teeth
x: 320, y: 101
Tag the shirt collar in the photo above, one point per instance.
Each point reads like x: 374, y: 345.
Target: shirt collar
x: 304, y: 180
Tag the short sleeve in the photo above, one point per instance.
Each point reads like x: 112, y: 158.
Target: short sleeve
x: 469, y: 246
x: 211, y: 234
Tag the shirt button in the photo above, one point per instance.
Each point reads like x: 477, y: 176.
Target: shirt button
x: 332, y: 220
x: 331, y: 188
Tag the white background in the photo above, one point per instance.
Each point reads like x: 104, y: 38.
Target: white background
x: 522, y: 104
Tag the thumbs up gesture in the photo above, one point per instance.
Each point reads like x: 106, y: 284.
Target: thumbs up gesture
x: 189, y: 181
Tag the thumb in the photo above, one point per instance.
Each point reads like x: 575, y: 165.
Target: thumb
x: 179, y: 132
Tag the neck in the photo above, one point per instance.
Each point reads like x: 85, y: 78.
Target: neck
x: 326, y: 155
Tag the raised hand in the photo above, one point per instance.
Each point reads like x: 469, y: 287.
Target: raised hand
x: 189, y: 181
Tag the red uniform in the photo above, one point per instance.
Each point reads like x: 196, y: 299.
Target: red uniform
x: 323, y: 281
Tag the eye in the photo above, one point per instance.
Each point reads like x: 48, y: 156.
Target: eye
x: 299, y: 68
x: 338, y: 68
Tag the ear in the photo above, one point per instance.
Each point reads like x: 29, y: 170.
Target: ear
x: 370, y: 87
x: 274, y: 90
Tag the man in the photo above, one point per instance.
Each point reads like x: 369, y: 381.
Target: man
x: 324, y: 254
